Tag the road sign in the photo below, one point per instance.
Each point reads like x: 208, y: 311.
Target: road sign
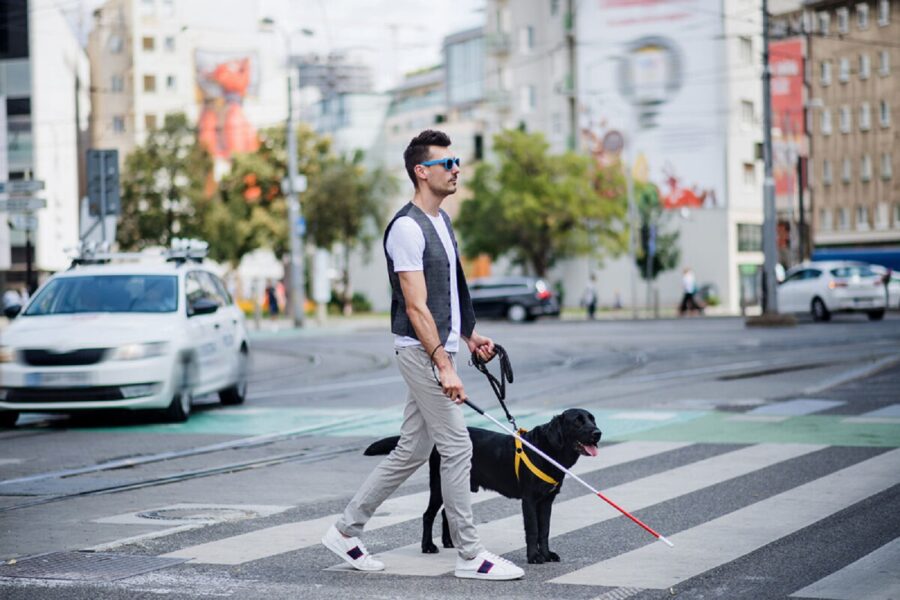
x: 103, y: 181
x: 21, y: 186
x: 22, y: 205
x: 23, y: 222
x: 300, y: 184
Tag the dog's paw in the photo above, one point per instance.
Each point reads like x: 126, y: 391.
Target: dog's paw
x: 429, y: 548
x: 535, y: 559
x: 551, y: 556
x: 448, y: 543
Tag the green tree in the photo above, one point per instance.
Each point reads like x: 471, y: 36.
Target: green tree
x: 163, y: 180
x: 250, y: 209
x: 346, y: 205
x: 652, y: 216
x: 540, y: 208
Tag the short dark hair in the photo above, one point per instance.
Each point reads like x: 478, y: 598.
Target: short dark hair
x: 417, y: 150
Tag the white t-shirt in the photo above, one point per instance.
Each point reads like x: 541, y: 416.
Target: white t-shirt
x: 406, y: 247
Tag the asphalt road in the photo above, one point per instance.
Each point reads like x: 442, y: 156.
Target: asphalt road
x: 768, y: 456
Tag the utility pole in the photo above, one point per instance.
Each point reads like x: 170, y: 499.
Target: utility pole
x: 770, y: 246
x: 298, y: 297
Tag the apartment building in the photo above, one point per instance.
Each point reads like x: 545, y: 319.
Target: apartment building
x: 853, y: 111
x: 44, y: 82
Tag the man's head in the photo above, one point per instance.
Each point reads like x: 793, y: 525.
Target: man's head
x: 431, y: 146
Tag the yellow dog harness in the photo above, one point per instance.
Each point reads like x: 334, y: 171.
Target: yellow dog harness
x: 522, y: 456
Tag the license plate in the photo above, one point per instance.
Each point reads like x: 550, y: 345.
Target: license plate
x: 57, y: 379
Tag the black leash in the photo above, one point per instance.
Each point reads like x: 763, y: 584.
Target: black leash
x: 498, y: 385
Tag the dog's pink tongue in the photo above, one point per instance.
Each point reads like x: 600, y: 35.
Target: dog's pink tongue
x: 592, y: 450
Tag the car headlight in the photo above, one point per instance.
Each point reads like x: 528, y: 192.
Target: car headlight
x: 7, y: 354
x: 139, y: 351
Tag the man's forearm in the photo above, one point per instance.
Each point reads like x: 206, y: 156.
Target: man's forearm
x: 427, y: 334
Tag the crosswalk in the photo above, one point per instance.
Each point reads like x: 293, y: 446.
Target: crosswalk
x: 694, y: 475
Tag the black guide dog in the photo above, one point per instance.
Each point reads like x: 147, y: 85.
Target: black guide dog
x: 565, y: 438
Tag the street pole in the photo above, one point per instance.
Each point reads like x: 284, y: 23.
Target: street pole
x: 298, y: 299
x: 770, y: 248
x: 632, y: 219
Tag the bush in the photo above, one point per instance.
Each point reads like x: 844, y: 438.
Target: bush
x: 359, y: 301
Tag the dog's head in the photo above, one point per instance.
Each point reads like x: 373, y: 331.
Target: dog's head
x: 577, y: 429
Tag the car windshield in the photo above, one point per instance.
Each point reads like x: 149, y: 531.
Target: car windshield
x: 106, y: 293
x: 853, y: 271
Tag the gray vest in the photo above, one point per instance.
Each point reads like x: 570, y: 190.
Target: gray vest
x: 437, y: 280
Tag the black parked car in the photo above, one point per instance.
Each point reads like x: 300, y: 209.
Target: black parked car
x: 515, y: 298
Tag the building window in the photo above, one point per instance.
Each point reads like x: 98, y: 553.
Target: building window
x: 865, y: 66
x: 865, y: 117
x: 825, y: 219
x: 826, y: 121
x: 746, y: 49
x: 749, y: 237
x: 148, y: 43
x: 884, y: 63
x: 150, y: 83
x: 843, y: 19
x: 168, y: 8
x: 862, y: 16
x: 824, y: 23
x: 865, y: 168
x: 169, y: 43
x: 884, y: 12
x: 897, y: 215
x: 171, y: 83
x: 150, y: 122
x: 844, y: 70
x: 115, y: 44
x: 118, y: 124
x: 862, y: 218
x: 884, y: 113
x: 749, y: 174
x: 826, y: 172
x: 846, y: 170
x: 882, y: 215
x: 554, y: 7
x: 526, y: 39
x: 843, y: 219
x: 116, y: 84
x: 886, y: 166
x: 826, y: 72
x: 844, y: 119
x: 528, y: 98
x: 148, y: 7
x: 748, y: 116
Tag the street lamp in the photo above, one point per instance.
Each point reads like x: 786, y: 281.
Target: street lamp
x: 295, y: 183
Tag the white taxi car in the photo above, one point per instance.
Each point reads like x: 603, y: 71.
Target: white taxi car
x: 825, y: 287
x: 120, y: 334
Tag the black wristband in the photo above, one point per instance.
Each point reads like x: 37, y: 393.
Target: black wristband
x: 431, y: 356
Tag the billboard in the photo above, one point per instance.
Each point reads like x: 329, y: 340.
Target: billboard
x: 654, y: 70
x: 224, y: 81
x: 788, y: 125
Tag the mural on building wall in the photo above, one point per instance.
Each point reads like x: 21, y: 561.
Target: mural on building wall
x: 665, y: 61
x: 788, y: 127
x: 224, y: 81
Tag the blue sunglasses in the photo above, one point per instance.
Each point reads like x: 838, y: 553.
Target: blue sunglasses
x: 447, y: 162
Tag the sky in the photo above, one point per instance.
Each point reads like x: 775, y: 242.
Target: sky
x: 393, y: 36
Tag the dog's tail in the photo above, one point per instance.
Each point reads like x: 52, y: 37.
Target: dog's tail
x: 382, y: 446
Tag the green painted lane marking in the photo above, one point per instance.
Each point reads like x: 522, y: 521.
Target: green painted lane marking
x: 832, y: 430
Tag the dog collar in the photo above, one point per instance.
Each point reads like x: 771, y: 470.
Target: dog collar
x: 521, y: 457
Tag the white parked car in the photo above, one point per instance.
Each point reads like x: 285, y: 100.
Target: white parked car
x: 147, y: 334
x: 826, y: 287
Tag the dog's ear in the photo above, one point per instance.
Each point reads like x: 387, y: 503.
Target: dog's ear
x: 555, y: 433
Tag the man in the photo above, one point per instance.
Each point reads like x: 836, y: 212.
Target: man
x: 431, y: 311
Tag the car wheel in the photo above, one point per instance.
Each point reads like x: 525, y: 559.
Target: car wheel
x: 516, y: 313
x: 819, y: 310
x: 182, y: 400
x: 8, y: 419
x: 876, y: 315
x: 237, y: 393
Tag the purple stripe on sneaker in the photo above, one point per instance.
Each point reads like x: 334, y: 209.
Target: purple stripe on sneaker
x: 354, y: 552
x: 486, y: 567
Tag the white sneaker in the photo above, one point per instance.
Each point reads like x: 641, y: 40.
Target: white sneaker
x: 487, y: 565
x: 352, y: 550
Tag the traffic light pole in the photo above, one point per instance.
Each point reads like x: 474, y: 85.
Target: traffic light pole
x: 770, y: 246
x: 298, y: 299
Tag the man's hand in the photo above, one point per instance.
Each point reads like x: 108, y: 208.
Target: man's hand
x: 481, y: 345
x: 451, y: 384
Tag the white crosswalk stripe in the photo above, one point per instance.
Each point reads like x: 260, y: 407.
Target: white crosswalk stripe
x: 738, y: 533
x: 505, y: 535
x: 875, y: 576
x: 288, y: 537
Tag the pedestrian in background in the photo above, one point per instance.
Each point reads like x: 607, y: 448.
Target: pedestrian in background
x: 431, y: 312
x: 689, y: 289
x: 272, y: 299
x: 589, y: 298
